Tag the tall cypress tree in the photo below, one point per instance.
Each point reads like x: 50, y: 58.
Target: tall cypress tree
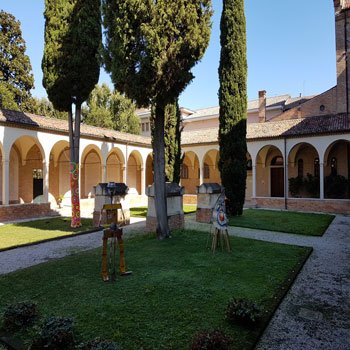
x: 71, y: 69
x: 233, y: 104
x: 172, y: 141
x: 151, y: 47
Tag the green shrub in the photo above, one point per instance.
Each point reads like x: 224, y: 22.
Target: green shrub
x: 243, y: 312
x: 336, y: 186
x: 295, y: 185
x: 56, y: 333
x: 20, y: 315
x: 98, y: 344
x: 312, y: 185
x: 211, y: 340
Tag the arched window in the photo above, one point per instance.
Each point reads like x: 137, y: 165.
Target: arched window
x: 317, y: 167
x: 206, y: 171
x: 300, y: 168
x: 334, y: 170
x: 278, y: 160
x: 184, y: 171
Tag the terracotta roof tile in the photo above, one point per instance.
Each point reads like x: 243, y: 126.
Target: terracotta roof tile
x: 284, y: 128
x: 36, y: 121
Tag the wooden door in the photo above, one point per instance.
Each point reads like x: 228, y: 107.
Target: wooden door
x: 277, y: 182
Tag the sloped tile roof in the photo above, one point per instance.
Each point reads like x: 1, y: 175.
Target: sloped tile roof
x: 285, y: 128
x: 36, y: 121
x: 275, y: 101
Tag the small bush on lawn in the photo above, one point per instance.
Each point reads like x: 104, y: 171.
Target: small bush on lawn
x: 56, y: 333
x: 19, y: 315
x: 243, y: 312
x: 211, y: 340
x: 98, y: 344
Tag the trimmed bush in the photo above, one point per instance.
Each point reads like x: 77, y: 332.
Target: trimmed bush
x: 56, y: 333
x: 211, y: 340
x: 243, y: 312
x: 336, y: 186
x: 98, y: 344
x: 20, y: 315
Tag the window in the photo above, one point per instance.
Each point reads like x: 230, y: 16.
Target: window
x: 37, y: 173
x: 143, y: 127
x: 334, y: 170
x: 317, y: 167
x: 184, y: 171
x: 147, y: 126
x: 278, y: 160
x: 206, y: 171
x: 300, y: 168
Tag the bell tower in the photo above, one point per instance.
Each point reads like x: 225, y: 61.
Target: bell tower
x: 342, y: 33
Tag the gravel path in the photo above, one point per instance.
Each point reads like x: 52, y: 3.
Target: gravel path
x: 315, y: 314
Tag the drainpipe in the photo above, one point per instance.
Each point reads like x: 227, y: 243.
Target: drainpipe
x: 285, y: 174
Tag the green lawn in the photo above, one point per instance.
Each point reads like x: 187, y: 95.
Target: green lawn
x: 283, y: 221
x: 142, y: 211
x: 177, y: 288
x: 13, y: 235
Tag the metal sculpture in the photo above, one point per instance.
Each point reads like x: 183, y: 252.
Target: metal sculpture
x: 114, y: 233
x: 219, y: 220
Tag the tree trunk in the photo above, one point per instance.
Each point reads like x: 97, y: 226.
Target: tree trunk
x: 74, y: 139
x: 160, y: 199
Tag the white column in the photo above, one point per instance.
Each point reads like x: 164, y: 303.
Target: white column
x: 46, y: 180
x: 143, y: 181
x: 321, y: 181
x: 125, y: 177
x: 5, y: 182
x: 201, y: 171
x: 254, y: 181
x: 104, y: 173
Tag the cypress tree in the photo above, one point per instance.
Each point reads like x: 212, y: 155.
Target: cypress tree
x: 71, y: 69
x: 150, y: 49
x: 16, y: 79
x: 172, y: 141
x: 233, y: 104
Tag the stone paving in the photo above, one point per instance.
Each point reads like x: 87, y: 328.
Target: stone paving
x: 315, y: 314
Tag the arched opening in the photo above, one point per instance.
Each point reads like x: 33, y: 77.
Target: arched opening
x: 59, y: 176
x: 134, y: 172
x: 91, y: 172
x: 269, y: 172
x: 337, y: 170
x: 115, y: 166
x: 190, y: 172
x: 149, y: 170
x: 210, y: 167
x: 26, y: 170
x: 304, y: 171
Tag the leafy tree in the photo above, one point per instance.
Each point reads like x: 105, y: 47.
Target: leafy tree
x: 111, y: 110
x: 43, y: 106
x: 150, y: 49
x: 16, y: 79
x: 71, y: 69
x: 172, y: 140
x: 233, y: 104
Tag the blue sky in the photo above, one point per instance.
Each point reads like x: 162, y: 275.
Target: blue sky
x: 290, y: 48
